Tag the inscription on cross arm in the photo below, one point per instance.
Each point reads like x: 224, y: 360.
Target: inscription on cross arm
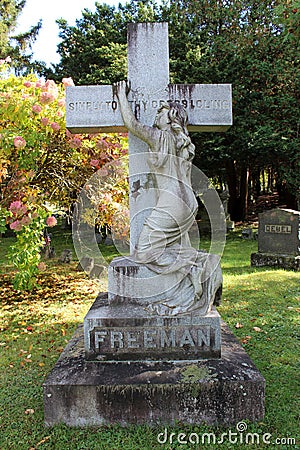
x: 95, y: 109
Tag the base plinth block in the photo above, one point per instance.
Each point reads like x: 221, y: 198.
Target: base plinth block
x: 217, y: 391
x: 289, y: 262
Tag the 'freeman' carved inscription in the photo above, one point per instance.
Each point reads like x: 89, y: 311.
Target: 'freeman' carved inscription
x: 91, y: 106
x: 278, y: 229
x: 118, y: 339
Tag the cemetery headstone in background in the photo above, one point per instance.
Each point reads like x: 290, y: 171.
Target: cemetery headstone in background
x: 132, y: 366
x: 224, y: 196
x: 278, y: 239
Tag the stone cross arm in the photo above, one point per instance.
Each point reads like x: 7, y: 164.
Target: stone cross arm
x: 94, y: 109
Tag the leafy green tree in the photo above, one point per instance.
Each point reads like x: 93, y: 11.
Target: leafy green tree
x: 94, y: 51
x: 242, y: 42
x: 16, y: 46
x: 289, y: 17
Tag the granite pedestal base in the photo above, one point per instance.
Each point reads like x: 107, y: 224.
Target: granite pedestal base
x: 289, y: 262
x: 216, y: 391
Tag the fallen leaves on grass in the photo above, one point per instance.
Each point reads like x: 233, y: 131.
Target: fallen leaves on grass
x: 246, y: 339
x: 40, y: 443
x: 36, y: 325
x: 51, y: 287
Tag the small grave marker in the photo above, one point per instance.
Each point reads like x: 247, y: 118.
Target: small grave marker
x: 278, y: 239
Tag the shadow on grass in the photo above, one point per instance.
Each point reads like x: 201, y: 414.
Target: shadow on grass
x: 37, y: 325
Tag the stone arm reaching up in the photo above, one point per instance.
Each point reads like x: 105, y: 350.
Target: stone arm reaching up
x: 150, y: 135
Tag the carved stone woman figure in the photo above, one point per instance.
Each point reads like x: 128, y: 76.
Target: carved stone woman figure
x: 164, y: 245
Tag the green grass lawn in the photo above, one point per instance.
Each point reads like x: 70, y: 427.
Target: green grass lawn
x: 261, y: 306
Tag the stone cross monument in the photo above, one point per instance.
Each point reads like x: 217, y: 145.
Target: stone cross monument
x: 153, y: 287
x: 95, y: 108
x: 151, y: 348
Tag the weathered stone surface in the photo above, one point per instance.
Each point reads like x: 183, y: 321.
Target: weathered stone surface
x: 288, y: 262
x: 66, y: 256
x: 85, y: 264
x: 150, y: 369
x: 247, y: 233
x: 127, y: 332
x: 163, y: 249
x: 133, y: 283
x: 97, y: 271
x: 208, y: 107
x: 278, y: 232
x: 95, y: 108
x: 219, y: 391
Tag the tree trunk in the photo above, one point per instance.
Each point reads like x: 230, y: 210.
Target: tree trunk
x: 287, y: 199
x: 232, y: 187
x: 244, y: 180
x: 255, y: 180
x: 238, y: 190
x: 270, y: 180
x: 263, y: 181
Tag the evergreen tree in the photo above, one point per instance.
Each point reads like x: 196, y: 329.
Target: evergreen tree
x: 13, y: 45
x: 242, y: 43
x: 94, y: 50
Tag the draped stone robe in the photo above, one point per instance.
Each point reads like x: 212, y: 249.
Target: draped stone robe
x: 164, y: 245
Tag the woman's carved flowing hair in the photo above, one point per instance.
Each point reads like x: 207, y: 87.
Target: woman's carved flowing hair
x: 178, y: 122
x: 178, y: 116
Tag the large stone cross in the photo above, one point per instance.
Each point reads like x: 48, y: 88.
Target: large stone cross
x: 93, y: 109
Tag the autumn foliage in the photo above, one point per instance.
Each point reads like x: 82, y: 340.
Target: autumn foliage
x: 43, y: 167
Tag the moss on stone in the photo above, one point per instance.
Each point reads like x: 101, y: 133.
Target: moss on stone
x: 194, y: 373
